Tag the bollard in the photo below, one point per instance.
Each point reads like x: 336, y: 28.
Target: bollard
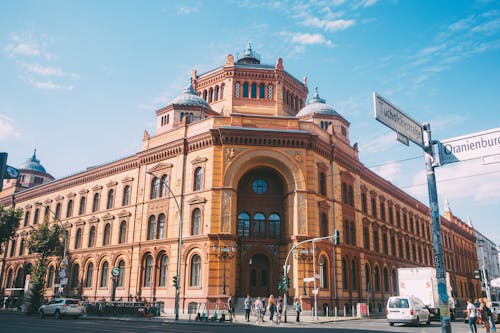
x: 344, y: 312
x: 335, y: 312
x: 327, y: 311
x: 353, y: 310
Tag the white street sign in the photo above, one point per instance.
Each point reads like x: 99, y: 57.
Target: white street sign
x: 389, y: 115
x: 308, y: 279
x: 466, y: 147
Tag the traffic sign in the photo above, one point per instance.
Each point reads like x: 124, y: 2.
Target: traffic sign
x: 391, y: 116
x: 308, y: 279
x: 466, y: 147
x: 11, y: 173
x: 115, y: 271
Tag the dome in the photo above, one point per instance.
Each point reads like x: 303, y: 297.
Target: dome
x: 249, y: 56
x: 317, y: 105
x: 189, y: 97
x: 33, y: 164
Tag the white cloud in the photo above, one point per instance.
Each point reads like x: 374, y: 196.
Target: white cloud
x: 188, y: 10
x: 379, y: 144
x: 47, y: 71
x: 327, y: 25
x: 389, y: 171
x: 7, y: 129
x: 49, y: 85
x: 307, y: 39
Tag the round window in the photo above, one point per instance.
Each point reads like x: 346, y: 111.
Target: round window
x: 259, y: 186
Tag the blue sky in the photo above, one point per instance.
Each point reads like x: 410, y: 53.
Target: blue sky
x: 80, y: 80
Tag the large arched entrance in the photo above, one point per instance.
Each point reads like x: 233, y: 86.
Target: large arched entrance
x: 261, y: 215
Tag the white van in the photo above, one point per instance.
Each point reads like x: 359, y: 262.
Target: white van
x: 407, y: 310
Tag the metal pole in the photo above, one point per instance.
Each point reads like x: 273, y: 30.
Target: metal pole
x: 179, y: 257
x: 315, y: 291
x: 436, y: 231
x: 224, y: 275
x: 483, y: 269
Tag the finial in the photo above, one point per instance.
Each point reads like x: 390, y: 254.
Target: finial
x: 316, y: 94
x: 248, y: 51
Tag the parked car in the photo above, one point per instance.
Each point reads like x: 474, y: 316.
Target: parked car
x: 406, y: 310
x: 59, y: 307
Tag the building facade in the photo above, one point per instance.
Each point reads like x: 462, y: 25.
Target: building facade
x: 240, y: 169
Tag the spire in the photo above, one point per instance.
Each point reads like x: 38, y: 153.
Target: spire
x: 469, y: 222
x: 248, y: 56
x: 248, y: 51
x: 447, y: 205
x: 316, y: 98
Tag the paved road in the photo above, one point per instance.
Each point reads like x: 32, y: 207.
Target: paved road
x: 18, y: 323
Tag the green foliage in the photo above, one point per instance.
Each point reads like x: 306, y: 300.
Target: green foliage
x: 46, y: 240
x: 35, y: 296
x: 9, y: 222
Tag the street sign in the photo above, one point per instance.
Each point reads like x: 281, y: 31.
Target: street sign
x: 11, y: 173
x: 466, y: 147
x: 115, y: 271
x: 64, y: 281
x: 308, y: 279
x: 391, y: 116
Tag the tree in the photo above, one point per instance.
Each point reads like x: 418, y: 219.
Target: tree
x: 9, y: 222
x: 44, y: 241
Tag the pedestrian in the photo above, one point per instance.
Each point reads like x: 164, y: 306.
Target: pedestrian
x: 248, y: 307
x: 485, y: 314
x: 230, y: 307
x: 271, y: 306
x: 472, y: 315
x: 298, y: 309
x: 258, y: 310
x: 279, y: 310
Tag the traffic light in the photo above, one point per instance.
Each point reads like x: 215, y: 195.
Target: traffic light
x: 336, y: 239
x: 286, y: 282
x: 176, y: 281
x: 3, y: 168
x: 478, y: 275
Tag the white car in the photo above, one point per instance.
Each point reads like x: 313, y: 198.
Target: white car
x: 59, y: 307
x: 406, y: 310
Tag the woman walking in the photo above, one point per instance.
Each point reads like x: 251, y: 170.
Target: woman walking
x: 271, y: 306
x: 298, y: 309
x: 471, y: 313
x: 258, y: 310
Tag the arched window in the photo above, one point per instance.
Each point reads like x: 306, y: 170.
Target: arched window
x: 323, y: 273
x: 386, y: 279
x: 394, y: 281
x: 78, y: 238
x: 126, y: 196
x: 196, y: 222
x: 262, y: 91
x: 111, y: 199
x: 9, y: 279
x: 36, y: 216
x: 155, y: 186
x: 50, y: 277
x: 106, y: 235
x: 58, y: 211
x: 322, y: 183
x: 21, y: 247
x: 344, y: 275
x: 88, y: 276
x: 69, y: 208
x: 121, y: 276
x: 123, y: 232
x: 148, y: 270
x: 368, y: 278
x: 92, y: 237
x: 162, y: 281
x: 195, y: 278
x: 324, y: 225
x: 217, y: 93
x: 376, y: 278
x: 46, y: 213
x: 254, y: 90
x: 83, y: 202
x: 245, y: 89
x: 161, y: 226
x: 104, y: 275
x: 164, y: 186
x: 243, y: 225
x: 198, y: 178
x: 26, y: 218
x: 259, y: 226
x: 354, y: 275
x: 75, y: 271
x: 274, y: 226
x: 95, y: 203
x: 151, y: 227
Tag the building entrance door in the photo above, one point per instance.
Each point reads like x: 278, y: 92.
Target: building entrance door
x: 259, y: 276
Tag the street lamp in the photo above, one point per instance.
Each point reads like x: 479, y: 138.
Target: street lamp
x: 225, y: 253
x: 303, y: 256
x: 177, y: 277
x: 64, y: 263
x: 483, y: 269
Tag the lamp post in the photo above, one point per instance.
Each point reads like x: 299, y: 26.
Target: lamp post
x: 303, y: 256
x: 483, y: 270
x: 64, y: 263
x: 225, y: 253
x: 177, y: 277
